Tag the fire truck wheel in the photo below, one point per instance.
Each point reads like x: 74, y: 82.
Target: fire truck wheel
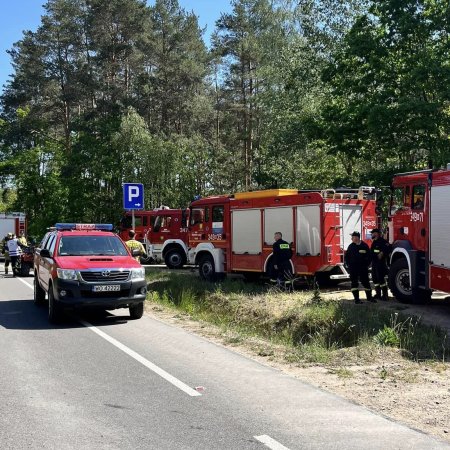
x: 206, y: 268
x: 399, y: 282
x: 39, y: 293
x: 136, y: 311
x: 174, y: 259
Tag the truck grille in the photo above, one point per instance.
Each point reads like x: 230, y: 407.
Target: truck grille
x: 99, y: 276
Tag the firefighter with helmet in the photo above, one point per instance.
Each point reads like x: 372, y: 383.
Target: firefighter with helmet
x: 134, y: 244
x: 357, y: 259
x: 379, y: 251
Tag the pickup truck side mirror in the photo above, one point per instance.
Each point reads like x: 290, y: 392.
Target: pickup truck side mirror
x: 45, y: 253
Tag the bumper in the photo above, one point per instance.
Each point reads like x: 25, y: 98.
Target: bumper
x: 74, y: 294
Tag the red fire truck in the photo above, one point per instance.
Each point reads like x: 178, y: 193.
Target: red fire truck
x: 14, y: 222
x: 419, y: 231
x: 163, y: 231
x: 234, y: 234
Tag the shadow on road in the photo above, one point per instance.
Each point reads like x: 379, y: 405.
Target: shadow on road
x: 25, y: 315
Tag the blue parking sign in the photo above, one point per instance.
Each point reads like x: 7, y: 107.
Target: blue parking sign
x: 133, y: 196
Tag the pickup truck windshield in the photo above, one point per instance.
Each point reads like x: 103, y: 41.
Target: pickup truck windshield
x: 91, y: 245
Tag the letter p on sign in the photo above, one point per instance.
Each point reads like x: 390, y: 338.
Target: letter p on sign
x: 133, y: 192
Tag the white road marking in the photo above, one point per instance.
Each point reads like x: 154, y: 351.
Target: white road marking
x: 153, y: 367
x: 25, y: 282
x: 270, y: 443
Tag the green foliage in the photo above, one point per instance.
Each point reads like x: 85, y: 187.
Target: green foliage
x: 301, y: 94
x: 389, y: 90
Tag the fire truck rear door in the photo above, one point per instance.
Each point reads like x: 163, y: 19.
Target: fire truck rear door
x: 350, y: 221
x: 308, y: 230
x: 246, y: 239
x: 439, y: 238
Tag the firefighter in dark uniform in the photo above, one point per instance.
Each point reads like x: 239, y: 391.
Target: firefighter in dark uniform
x: 357, y: 259
x: 379, y: 251
x: 282, y: 255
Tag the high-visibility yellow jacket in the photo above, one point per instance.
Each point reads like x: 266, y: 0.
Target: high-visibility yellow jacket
x: 133, y: 244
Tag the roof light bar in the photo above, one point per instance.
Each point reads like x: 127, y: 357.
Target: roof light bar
x: 84, y: 226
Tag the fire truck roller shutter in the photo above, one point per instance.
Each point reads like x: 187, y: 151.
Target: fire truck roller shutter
x: 308, y: 230
x: 350, y: 222
x: 440, y: 226
x: 278, y: 219
x: 246, y: 229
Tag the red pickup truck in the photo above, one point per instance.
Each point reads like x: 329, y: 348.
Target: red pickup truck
x: 87, y: 265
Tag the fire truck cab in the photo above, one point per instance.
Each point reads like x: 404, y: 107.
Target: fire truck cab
x: 234, y: 234
x: 419, y: 231
x: 163, y: 232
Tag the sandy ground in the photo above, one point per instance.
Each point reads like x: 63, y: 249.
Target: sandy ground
x: 416, y: 394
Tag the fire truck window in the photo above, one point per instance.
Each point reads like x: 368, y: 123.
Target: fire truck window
x: 165, y: 221
x: 125, y: 222
x: 138, y: 221
x: 407, y: 197
x: 418, y: 196
x: 197, y: 216
x: 152, y: 221
x: 397, y: 199
x: 145, y: 221
x: 217, y: 214
x: 206, y: 214
x: 184, y: 217
x: 217, y: 219
x: 157, y: 224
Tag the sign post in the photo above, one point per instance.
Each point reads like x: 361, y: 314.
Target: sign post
x: 133, y: 198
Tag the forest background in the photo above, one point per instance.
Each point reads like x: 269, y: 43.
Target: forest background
x: 290, y: 93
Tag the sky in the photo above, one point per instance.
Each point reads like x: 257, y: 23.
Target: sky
x: 19, y: 15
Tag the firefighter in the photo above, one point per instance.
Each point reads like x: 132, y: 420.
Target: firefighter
x: 6, y: 252
x: 357, y: 259
x: 133, y: 244
x: 379, y: 251
x: 282, y: 255
x: 14, y: 253
x: 23, y: 240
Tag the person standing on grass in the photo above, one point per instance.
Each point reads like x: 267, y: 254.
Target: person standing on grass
x: 379, y: 251
x: 357, y: 259
x: 282, y: 255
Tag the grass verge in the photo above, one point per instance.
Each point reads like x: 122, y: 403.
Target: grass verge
x: 311, y: 329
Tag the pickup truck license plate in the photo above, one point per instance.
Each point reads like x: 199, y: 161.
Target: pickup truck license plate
x: 106, y: 288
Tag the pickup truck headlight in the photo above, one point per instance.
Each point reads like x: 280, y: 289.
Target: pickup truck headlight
x: 67, y: 274
x: 138, y: 274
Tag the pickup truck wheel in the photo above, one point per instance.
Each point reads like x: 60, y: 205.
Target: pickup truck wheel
x: 174, y: 259
x: 39, y: 293
x: 136, y: 311
x: 54, y: 311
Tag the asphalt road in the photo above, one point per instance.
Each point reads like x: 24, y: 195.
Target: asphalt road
x: 105, y: 382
